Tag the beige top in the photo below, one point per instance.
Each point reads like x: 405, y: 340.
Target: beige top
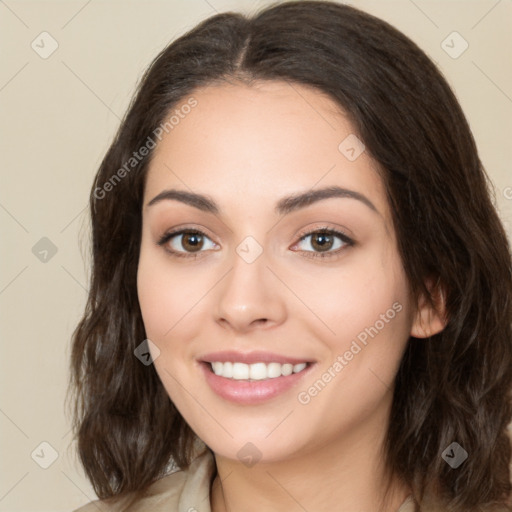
x: 184, y: 491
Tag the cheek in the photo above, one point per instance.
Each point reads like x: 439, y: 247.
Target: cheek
x: 164, y: 300
x: 154, y: 297
x: 366, y: 310
x: 354, y: 298
x: 166, y: 293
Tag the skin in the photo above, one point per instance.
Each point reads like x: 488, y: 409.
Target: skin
x: 246, y: 147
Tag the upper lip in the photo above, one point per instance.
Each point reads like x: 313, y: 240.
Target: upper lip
x: 251, y: 357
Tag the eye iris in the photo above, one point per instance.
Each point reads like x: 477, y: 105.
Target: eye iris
x: 322, y: 241
x: 192, y: 241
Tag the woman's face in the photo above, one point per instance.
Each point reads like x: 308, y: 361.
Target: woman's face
x: 261, y: 284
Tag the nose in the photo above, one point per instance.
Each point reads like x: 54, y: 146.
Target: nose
x: 249, y: 296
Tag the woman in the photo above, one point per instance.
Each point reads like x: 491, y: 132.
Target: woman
x: 301, y: 291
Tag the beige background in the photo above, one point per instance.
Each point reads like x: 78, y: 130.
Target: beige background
x: 58, y: 116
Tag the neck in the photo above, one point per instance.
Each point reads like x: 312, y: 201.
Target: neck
x: 345, y: 475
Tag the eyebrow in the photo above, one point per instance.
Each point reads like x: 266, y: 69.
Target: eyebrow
x: 284, y: 206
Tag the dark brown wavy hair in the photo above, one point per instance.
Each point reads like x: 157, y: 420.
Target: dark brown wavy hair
x: 452, y: 387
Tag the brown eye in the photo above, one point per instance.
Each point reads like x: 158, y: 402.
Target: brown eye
x: 192, y: 242
x: 324, y: 243
x: 186, y: 242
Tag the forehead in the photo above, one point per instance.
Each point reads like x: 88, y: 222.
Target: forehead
x: 265, y: 140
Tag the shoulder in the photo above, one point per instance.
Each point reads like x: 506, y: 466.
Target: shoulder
x: 187, y: 489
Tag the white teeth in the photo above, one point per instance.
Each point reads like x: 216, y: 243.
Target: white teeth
x: 274, y: 370
x: 227, y: 370
x: 240, y: 371
x: 287, y: 369
x: 256, y: 371
x: 299, y: 367
x: 217, y: 368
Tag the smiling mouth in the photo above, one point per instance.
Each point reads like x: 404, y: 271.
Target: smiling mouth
x: 255, y: 371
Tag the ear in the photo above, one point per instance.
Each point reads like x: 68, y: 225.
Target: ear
x: 430, y: 320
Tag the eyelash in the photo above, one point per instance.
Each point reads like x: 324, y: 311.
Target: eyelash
x: 166, y: 237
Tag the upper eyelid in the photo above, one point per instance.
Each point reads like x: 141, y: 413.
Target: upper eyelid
x: 346, y: 239
x: 311, y: 231
x: 300, y: 235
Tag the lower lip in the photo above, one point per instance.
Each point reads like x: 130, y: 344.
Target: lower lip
x: 250, y: 393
